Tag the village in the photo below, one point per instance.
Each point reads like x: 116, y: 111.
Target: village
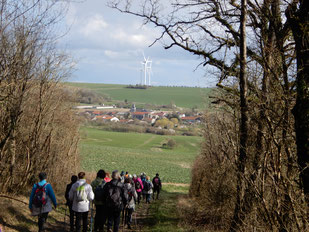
x: 134, y: 115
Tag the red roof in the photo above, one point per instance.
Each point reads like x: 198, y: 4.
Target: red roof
x: 160, y: 114
x: 140, y: 113
x: 97, y: 112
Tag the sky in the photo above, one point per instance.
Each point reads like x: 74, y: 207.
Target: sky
x: 107, y: 47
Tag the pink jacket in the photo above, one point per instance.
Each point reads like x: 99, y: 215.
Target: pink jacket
x: 140, y: 181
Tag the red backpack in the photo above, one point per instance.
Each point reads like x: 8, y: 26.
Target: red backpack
x: 39, y: 198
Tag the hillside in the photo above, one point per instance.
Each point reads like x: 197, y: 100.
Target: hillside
x: 138, y: 153
x: 185, y: 97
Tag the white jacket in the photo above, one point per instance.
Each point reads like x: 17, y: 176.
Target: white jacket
x: 81, y: 206
x: 131, y: 191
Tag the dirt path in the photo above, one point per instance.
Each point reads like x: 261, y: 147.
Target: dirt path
x: 147, y: 141
x: 140, y: 218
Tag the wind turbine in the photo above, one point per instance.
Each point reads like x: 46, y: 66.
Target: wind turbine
x: 147, y: 69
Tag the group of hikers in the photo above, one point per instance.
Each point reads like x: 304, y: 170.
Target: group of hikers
x: 112, y: 198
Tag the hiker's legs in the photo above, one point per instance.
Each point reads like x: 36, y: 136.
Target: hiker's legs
x: 154, y: 191
x: 72, y: 213
x: 109, y: 219
x: 129, y: 216
x: 148, y: 197
x: 41, y: 221
x: 78, y: 221
x: 98, y: 225
x: 158, y: 192
x: 139, y: 196
x: 116, y: 218
x: 85, y: 221
x: 104, y: 217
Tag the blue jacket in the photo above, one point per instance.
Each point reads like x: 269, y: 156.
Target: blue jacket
x: 49, y: 192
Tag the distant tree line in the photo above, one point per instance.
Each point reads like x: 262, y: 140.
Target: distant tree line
x: 137, y: 86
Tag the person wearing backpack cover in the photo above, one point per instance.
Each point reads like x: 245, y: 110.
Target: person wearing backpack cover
x: 69, y: 203
x: 81, y: 194
x: 130, y: 207
x: 138, y: 186
x: 100, y: 214
x: 148, y: 186
x: 156, y: 186
x: 41, y: 198
x: 114, y: 197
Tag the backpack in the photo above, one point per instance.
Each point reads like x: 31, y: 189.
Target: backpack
x: 114, y: 198
x: 156, y: 182
x: 147, y: 186
x: 98, y: 192
x: 81, y: 194
x: 137, y: 185
x: 39, y: 199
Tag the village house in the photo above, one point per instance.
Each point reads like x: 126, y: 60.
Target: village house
x: 140, y: 115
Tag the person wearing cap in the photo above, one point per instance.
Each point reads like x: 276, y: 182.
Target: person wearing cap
x: 42, y: 211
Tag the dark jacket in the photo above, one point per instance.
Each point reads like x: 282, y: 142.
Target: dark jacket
x: 115, y: 185
x: 68, y: 203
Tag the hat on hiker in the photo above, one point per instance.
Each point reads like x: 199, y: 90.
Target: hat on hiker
x: 134, y: 176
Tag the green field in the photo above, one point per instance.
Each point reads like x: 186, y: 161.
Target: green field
x: 182, y: 97
x: 138, y: 153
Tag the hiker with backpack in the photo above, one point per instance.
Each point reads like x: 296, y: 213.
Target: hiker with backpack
x: 130, y: 206
x: 147, y: 189
x: 81, y: 194
x: 156, y: 186
x: 41, y: 199
x: 138, y: 187
x: 100, y: 214
x: 69, y: 203
x: 114, y: 197
x: 143, y: 178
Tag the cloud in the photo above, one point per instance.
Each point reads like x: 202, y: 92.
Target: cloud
x: 93, y: 26
x: 109, y: 48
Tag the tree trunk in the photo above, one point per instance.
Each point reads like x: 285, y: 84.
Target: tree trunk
x: 299, y: 23
x: 241, y: 163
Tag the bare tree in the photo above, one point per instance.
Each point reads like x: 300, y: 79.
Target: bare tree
x: 268, y: 194
x: 34, y: 108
